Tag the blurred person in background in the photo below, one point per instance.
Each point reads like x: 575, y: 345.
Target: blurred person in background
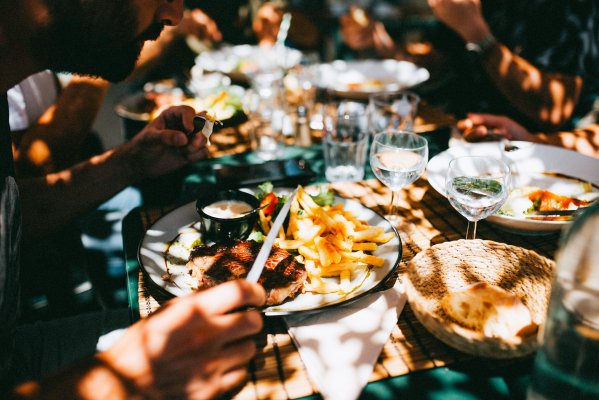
x: 535, y: 61
x: 207, y: 25
x: 196, y: 340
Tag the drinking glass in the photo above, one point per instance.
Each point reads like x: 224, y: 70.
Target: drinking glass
x: 345, y: 141
x: 397, y: 159
x: 567, y: 362
x: 477, y: 187
x: 393, y: 110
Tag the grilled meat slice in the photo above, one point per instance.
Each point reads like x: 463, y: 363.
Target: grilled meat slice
x: 282, y: 276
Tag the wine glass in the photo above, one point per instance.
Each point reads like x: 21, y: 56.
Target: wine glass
x: 477, y: 187
x: 397, y: 159
x: 393, y: 110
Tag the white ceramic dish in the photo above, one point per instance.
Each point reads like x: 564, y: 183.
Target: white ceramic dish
x: 240, y: 61
x: 528, y: 163
x: 361, y: 78
x: 183, y: 221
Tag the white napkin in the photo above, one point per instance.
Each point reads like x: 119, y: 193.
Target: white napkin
x: 340, y: 346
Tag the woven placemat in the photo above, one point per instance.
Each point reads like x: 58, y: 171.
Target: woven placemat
x: 453, y: 266
x: 425, y: 218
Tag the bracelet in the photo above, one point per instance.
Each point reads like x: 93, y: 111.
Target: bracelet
x: 483, y: 46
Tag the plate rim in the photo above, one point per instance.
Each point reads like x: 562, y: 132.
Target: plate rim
x: 366, y: 93
x: 534, y: 226
x: 148, y: 279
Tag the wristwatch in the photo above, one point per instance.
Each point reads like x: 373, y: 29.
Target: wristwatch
x: 482, y: 47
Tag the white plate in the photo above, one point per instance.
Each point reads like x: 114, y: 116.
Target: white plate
x: 527, y: 164
x: 184, y: 221
x: 363, y: 77
x: 239, y: 61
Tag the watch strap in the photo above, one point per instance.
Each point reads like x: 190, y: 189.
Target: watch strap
x: 483, y: 46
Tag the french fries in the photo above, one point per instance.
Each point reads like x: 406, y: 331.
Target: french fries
x: 331, y: 242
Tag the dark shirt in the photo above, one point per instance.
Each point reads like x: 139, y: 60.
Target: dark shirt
x: 10, y: 238
x: 554, y: 35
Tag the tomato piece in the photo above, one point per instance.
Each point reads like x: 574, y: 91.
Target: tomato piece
x: 269, y: 202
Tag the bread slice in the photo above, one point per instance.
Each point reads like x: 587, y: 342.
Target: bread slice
x: 490, y: 310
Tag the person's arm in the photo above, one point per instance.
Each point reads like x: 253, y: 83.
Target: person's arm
x: 51, y: 201
x: 360, y: 32
x: 548, y: 98
x: 194, y: 347
x: 484, y: 127
x: 195, y: 23
x: 54, y: 141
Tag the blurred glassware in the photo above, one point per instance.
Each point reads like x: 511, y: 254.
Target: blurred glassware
x: 240, y: 62
x: 202, y: 83
x: 345, y: 141
x: 393, y: 110
x: 268, y: 119
x: 567, y: 362
x: 266, y: 133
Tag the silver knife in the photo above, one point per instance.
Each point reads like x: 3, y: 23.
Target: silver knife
x: 264, y: 252
x: 556, y: 213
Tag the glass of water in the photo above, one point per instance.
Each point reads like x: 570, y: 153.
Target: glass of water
x: 345, y: 142
x: 398, y: 158
x: 477, y: 187
x: 393, y: 110
x: 567, y: 362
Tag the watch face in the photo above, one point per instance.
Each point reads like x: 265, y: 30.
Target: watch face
x: 473, y: 47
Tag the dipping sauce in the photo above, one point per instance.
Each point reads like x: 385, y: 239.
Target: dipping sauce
x: 228, y: 209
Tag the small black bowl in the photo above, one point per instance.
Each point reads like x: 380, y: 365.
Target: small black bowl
x: 218, y: 229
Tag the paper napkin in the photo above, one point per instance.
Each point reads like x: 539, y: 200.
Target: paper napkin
x: 340, y: 346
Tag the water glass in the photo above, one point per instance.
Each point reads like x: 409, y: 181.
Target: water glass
x: 266, y: 133
x: 393, y: 110
x: 345, y: 144
x: 477, y: 187
x: 567, y: 362
x: 397, y: 159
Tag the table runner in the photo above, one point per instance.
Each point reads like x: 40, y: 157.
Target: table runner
x: 426, y: 218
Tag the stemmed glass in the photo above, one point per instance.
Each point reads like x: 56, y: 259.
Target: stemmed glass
x: 393, y: 110
x: 397, y: 159
x: 477, y: 187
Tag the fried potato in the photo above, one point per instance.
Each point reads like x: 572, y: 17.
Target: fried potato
x: 333, y: 242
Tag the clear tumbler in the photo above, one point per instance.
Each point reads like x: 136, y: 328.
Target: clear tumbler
x: 567, y: 362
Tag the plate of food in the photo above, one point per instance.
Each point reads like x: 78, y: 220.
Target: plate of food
x: 223, y: 103
x: 331, y: 251
x: 481, y: 297
x: 550, y: 185
x: 240, y: 61
x: 361, y: 78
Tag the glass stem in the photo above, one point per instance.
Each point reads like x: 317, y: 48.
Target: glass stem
x: 394, y: 203
x: 471, y: 230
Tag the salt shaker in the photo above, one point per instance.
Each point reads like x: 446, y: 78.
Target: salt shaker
x: 567, y: 362
x: 302, y: 128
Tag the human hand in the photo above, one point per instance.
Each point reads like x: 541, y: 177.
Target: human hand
x: 266, y: 23
x: 199, y: 24
x: 488, y: 127
x: 465, y: 17
x: 357, y: 29
x: 163, y: 146
x: 194, y: 347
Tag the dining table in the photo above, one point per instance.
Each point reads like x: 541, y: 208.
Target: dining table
x: 412, y: 363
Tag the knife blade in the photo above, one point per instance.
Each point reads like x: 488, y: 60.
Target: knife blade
x: 264, y: 252
x: 556, y: 213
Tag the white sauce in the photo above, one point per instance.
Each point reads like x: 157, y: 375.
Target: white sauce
x: 228, y: 209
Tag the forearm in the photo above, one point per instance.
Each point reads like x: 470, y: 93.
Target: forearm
x: 61, y: 129
x: 585, y: 141
x: 51, y: 201
x: 547, y: 98
x: 90, y: 379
